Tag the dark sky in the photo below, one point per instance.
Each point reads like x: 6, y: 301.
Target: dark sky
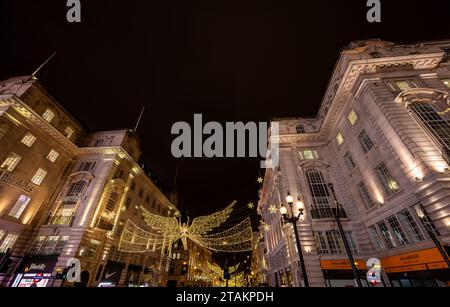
x: 229, y: 60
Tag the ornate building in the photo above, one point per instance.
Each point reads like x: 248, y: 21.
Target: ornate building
x: 382, y: 138
x: 66, y: 193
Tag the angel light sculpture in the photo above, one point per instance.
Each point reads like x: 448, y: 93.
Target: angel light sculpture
x: 164, y: 230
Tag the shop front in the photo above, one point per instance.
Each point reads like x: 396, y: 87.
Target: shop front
x: 338, y: 273
x: 424, y: 268
x: 111, y: 274
x: 34, y: 272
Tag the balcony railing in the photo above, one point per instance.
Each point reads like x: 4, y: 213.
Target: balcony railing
x: 62, y: 220
x: 8, y: 178
x: 326, y: 213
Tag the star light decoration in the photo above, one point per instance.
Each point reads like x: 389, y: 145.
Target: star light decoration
x: 166, y: 230
x: 273, y: 209
x: 250, y: 205
x: 260, y: 180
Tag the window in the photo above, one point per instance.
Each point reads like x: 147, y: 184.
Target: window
x: 141, y: 193
x: 365, y: 196
x: 425, y: 219
x: 76, y: 189
x: 8, y: 242
x: 300, y: 129
x: 398, y: 231
x: 351, y: 241
x: 91, y: 251
x: 19, y: 206
x: 387, y: 236
x: 349, y: 161
x: 365, y: 141
x: 49, y: 245
x: 308, y: 154
x: 334, y: 242
x: 68, y: 132
x: 320, y: 195
x: 87, y: 166
x: 402, y: 85
x: 2, y: 233
x: 48, y: 115
x: 112, y: 201
x: 446, y: 82
x: 29, y: 139
x: 127, y: 203
x: 11, y: 162
x: 339, y: 139
x: 53, y: 155
x: 39, y: 176
x: 410, y: 226
x: 37, y: 245
x: 60, y: 245
x: 375, y: 238
x: 389, y: 184
x: 434, y: 124
x: 352, y: 117
x: 321, y: 243
x: 133, y: 185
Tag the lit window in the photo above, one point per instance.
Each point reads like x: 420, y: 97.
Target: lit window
x: 68, y: 132
x: 389, y: 183
x: 48, y: 115
x: 339, y: 138
x: 352, y: 117
x: 403, y: 85
x: 8, y: 242
x: 39, y: 176
x: 11, y: 162
x: 308, y: 155
x: 20, y: 206
x: 446, y: 82
x: 29, y: 139
x: 53, y: 155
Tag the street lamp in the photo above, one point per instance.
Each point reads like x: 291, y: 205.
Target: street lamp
x: 293, y: 218
x: 344, y: 238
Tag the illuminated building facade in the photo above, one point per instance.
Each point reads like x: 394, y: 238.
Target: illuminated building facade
x: 66, y: 193
x: 382, y: 138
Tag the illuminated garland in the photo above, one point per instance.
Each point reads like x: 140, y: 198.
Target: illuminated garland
x: 167, y: 230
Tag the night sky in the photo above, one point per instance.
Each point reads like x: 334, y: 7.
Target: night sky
x: 229, y: 60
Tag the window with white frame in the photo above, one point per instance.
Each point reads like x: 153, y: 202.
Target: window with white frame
x: 39, y: 176
x: 352, y: 117
x: 48, y: 115
x: 37, y: 245
x: 349, y: 161
x: 397, y: 229
x: 388, y: 182
x: 68, y: 132
x: 8, y: 242
x: 308, y: 154
x: 87, y: 166
x: 339, y: 138
x: 365, y: 196
x: 425, y: 219
x: 321, y: 243
x: 29, y: 139
x: 387, y: 235
x: 375, y: 238
x: 365, y: 141
x: 351, y: 242
x: 20, y: 206
x: 76, y: 189
x: 335, y: 243
x: 49, y: 245
x: 319, y: 193
x: 60, y: 245
x: 410, y: 226
x: 11, y: 161
x: 52, y: 155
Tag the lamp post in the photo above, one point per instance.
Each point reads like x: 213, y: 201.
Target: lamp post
x: 293, y: 218
x: 344, y: 238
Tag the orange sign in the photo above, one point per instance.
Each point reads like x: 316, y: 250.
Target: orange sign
x: 342, y: 264
x: 414, y: 261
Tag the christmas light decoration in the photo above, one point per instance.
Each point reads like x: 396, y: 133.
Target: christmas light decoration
x: 273, y: 209
x: 167, y: 230
x: 250, y: 205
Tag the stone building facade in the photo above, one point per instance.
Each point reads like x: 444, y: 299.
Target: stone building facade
x: 66, y: 193
x: 382, y: 138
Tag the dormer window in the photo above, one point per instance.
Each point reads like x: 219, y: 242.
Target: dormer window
x: 48, y: 115
x: 68, y: 132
